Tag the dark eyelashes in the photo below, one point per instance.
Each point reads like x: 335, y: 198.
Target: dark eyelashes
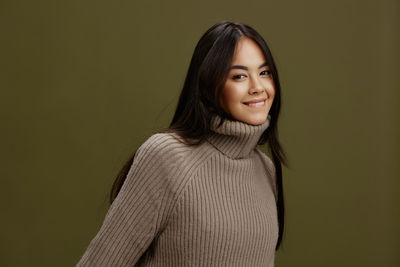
x: 269, y: 72
x: 239, y: 75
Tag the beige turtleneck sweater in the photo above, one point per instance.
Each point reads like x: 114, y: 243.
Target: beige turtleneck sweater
x: 207, y: 205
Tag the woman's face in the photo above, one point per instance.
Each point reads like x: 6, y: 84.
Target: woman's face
x: 249, y: 81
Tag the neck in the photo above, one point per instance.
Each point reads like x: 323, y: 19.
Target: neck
x: 236, y: 139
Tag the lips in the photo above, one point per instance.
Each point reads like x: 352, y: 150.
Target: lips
x: 256, y: 105
x: 254, y: 101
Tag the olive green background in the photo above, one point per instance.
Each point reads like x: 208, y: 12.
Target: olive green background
x: 84, y: 83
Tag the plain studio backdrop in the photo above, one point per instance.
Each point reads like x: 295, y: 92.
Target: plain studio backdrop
x: 84, y: 83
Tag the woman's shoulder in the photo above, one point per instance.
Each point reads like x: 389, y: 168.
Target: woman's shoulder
x: 270, y: 168
x: 168, y: 159
x: 166, y: 146
x: 267, y: 160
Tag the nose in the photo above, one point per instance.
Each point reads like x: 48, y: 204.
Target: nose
x: 255, y: 86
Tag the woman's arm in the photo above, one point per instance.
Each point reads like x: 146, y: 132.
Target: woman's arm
x: 138, y: 212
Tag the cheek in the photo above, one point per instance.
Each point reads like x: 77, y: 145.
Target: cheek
x: 233, y: 95
x: 271, y: 93
x: 226, y: 100
x: 271, y: 90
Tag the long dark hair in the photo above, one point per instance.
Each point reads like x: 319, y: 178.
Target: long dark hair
x: 198, y: 101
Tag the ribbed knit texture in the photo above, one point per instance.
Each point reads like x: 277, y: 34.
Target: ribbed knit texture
x: 207, y: 205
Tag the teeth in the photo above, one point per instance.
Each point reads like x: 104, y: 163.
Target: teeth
x: 256, y: 104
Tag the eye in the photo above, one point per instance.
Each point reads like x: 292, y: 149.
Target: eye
x: 239, y: 76
x: 266, y: 72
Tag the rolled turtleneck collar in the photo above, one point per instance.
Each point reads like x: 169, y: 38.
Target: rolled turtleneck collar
x: 236, y: 139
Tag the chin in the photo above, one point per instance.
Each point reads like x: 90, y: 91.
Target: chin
x: 255, y: 121
x: 253, y: 118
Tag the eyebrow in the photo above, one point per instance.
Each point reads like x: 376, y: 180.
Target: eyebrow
x: 246, y: 68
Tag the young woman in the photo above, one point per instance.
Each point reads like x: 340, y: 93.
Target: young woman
x: 200, y: 193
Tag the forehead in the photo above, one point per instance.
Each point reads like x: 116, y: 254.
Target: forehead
x: 248, y: 53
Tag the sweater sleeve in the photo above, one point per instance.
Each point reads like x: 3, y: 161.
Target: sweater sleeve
x: 139, y: 211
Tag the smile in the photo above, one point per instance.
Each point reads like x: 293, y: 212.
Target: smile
x: 256, y: 105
